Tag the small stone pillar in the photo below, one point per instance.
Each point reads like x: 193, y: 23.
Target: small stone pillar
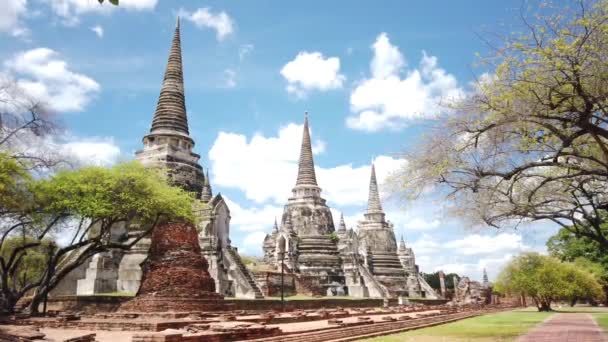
x: 455, y: 283
x: 442, y: 283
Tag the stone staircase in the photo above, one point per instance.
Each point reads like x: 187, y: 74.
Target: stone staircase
x: 316, y: 250
x: 242, y: 273
x: 387, y: 264
x: 429, y: 292
x: 375, y: 289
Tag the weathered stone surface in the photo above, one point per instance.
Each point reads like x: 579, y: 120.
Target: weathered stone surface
x: 176, y: 276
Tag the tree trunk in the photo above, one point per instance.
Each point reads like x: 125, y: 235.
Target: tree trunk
x: 544, y: 306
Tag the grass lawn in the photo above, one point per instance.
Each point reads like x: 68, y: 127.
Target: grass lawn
x: 505, y: 326
x: 602, y: 320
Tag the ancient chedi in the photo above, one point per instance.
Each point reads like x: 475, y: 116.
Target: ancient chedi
x: 366, y: 263
x: 175, y: 274
x: 306, y: 231
x: 169, y: 145
x: 378, y: 244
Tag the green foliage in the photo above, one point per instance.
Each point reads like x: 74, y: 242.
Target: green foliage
x: 586, y: 253
x: 546, y: 279
x: 13, y: 179
x: 33, y: 262
x: 248, y: 260
x: 433, y: 280
x: 123, y: 192
x: 334, y: 237
x: 113, y: 2
x: 531, y: 141
x: 82, y: 205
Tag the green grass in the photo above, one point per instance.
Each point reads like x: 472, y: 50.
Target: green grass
x: 504, y: 326
x: 602, y: 320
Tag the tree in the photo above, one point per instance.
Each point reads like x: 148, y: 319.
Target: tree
x: 546, y: 280
x: 586, y: 253
x: 530, y: 143
x: 113, y: 2
x: 433, y: 280
x: 86, y: 205
x: 24, y: 124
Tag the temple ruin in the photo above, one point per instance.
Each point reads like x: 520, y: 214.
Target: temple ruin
x: 169, y: 145
x: 365, y: 263
x: 317, y: 258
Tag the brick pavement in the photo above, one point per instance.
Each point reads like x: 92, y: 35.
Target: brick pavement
x: 566, y: 327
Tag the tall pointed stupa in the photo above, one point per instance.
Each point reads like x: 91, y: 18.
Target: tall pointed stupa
x: 169, y: 143
x: 313, y: 247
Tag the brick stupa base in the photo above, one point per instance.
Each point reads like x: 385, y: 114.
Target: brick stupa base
x: 175, y: 274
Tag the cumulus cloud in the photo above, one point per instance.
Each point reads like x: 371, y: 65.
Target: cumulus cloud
x: 71, y: 10
x: 265, y: 168
x: 91, y: 151
x: 245, y: 50
x: 477, y: 244
x: 271, y: 163
x: 229, y: 78
x: 46, y: 77
x: 393, y: 96
x: 253, y: 218
x: 252, y: 243
x: 221, y: 22
x: 11, y: 12
x: 312, y: 71
x: 470, y: 254
x: 98, y: 30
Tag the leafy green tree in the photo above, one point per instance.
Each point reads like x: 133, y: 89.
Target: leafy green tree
x: 530, y: 142
x: 588, y: 254
x: 113, y: 2
x: 85, y: 205
x: 546, y: 279
x: 433, y: 280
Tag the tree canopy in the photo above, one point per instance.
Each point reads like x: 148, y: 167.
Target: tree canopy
x: 530, y: 142
x: 586, y: 253
x: 93, y: 209
x: 546, y: 279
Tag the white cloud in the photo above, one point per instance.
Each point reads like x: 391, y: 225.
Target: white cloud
x: 92, y: 151
x: 11, y: 11
x: 47, y: 78
x: 98, y: 30
x: 417, y: 223
x: 387, y: 59
x: 229, y: 78
x: 253, y: 219
x: 477, y: 244
x: 265, y: 168
x: 244, y: 50
x: 70, y: 10
x: 204, y: 18
x: 386, y: 100
x: 312, y: 71
x: 252, y: 243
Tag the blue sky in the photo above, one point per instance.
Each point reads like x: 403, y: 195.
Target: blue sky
x: 369, y: 73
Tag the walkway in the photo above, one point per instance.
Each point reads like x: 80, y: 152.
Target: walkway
x: 566, y: 327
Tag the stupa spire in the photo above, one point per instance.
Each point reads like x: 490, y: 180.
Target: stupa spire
x: 306, y: 165
x: 373, y: 201
x: 170, y: 115
x: 207, y: 193
x: 275, y: 227
x: 342, y: 223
